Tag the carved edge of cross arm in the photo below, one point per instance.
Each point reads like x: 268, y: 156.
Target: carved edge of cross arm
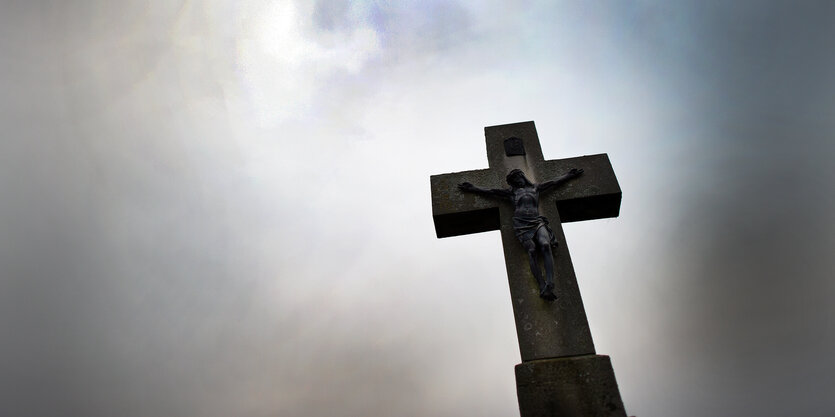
x: 593, y: 195
x: 458, y: 213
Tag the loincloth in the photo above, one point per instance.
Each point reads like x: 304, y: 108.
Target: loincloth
x: 526, y: 228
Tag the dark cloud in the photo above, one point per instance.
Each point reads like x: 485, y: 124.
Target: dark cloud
x: 757, y: 220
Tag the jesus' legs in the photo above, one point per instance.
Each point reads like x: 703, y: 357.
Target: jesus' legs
x: 531, y: 248
x: 543, y: 241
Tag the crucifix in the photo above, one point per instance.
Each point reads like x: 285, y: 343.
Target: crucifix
x: 560, y: 373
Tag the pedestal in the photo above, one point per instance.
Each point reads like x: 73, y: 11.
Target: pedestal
x: 579, y: 386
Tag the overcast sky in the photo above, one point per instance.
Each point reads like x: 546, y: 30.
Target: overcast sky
x: 222, y: 208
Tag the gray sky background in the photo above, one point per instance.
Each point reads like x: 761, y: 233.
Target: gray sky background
x: 222, y: 208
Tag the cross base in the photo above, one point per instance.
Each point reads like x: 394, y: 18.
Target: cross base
x: 578, y: 386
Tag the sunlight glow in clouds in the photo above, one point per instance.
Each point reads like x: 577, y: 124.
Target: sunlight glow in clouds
x: 284, y: 62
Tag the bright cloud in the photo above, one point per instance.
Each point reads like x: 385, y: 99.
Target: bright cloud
x: 284, y: 60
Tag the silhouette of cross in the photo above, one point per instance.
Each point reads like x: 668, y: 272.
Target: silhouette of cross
x: 544, y: 329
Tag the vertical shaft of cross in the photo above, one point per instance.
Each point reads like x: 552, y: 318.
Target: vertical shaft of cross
x: 544, y: 329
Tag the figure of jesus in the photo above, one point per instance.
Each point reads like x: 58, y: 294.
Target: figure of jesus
x: 531, y: 227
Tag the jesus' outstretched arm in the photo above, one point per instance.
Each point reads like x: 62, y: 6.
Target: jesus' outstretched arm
x: 492, y: 192
x: 572, y: 173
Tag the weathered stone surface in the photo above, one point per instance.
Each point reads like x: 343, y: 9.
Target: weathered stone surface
x: 456, y: 213
x: 526, y: 131
x: 581, y: 386
x: 594, y: 195
x: 545, y: 329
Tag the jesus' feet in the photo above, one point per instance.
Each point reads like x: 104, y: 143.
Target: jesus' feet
x: 547, y: 293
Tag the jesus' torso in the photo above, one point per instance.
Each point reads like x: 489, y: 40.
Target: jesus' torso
x: 526, y: 202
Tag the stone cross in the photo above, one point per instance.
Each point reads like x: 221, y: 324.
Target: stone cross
x: 545, y: 330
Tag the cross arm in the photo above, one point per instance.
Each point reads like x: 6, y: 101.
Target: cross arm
x: 595, y: 194
x: 460, y: 213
